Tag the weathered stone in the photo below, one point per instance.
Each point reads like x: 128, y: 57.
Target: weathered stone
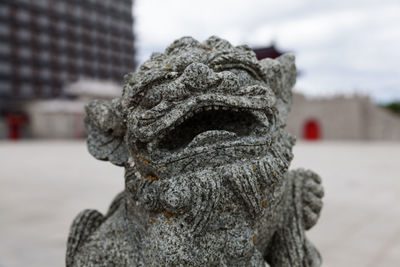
x: 200, y: 133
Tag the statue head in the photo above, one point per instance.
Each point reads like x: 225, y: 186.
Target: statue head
x: 195, y: 122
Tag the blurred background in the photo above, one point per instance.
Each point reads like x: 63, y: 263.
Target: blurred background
x: 57, y: 55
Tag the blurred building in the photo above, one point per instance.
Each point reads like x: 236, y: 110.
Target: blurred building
x: 267, y: 52
x: 63, y: 118
x: 344, y: 118
x: 48, y: 44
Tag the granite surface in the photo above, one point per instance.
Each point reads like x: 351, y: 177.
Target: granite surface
x: 200, y: 133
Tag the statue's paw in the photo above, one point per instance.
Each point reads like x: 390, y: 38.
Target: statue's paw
x: 85, y: 223
x: 312, y: 195
x: 116, y: 203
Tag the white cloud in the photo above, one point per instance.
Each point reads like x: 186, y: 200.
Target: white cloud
x: 341, y: 46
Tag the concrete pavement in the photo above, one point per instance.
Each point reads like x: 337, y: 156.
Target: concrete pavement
x: 44, y: 184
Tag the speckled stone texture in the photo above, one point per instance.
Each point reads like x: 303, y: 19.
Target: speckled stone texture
x: 200, y: 132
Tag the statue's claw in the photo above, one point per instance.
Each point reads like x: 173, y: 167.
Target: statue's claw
x: 85, y: 223
x: 312, y: 194
x: 290, y: 246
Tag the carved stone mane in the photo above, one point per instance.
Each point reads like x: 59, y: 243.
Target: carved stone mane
x: 200, y: 132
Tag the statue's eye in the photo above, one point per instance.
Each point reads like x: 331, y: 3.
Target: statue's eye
x: 245, y: 77
x: 242, y: 72
x: 151, y: 99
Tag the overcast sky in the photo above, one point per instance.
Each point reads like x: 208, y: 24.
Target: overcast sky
x: 341, y: 46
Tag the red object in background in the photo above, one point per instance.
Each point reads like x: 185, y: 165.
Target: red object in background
x: 15, y: 122
x: 312, y: 130
x: 267, y: 52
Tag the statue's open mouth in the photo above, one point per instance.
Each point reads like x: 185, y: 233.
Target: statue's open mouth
x: 215, y: 129
x: 223, y: 128
x: 209, y: 125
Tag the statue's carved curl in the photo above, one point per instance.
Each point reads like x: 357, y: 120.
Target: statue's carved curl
x: 200, y: 133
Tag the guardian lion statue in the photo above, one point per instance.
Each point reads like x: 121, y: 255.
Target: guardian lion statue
x: 199, y: 130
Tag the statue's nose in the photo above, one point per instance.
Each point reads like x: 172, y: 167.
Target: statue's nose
x: 229, y: 82
x: 198, y: 76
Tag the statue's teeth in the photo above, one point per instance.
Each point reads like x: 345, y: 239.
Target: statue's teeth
x: 208, y: 108
x: 179, y: 121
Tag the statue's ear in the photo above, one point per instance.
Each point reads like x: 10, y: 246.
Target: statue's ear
x: 281, y: 74
x: 106, y: 129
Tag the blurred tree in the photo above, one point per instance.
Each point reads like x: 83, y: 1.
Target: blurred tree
x: 393, y: 107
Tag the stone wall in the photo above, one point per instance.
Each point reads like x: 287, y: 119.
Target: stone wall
x: 345, y: 118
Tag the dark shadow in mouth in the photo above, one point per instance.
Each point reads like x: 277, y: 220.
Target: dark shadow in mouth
x: 242, y: 123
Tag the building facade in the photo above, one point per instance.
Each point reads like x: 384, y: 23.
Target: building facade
x: 46, y: 44
x: 341, y: 118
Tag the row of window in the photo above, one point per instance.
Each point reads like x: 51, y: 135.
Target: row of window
x: 61, y: 28
x: 45, y: 71
x: 46, y: 37
x: 79, y: 50
x: 65, y: 50
x: 29, y: 89
x: 60, y: 79
x: 64, y: 71
x: 90, y: 9
x: 25, y: 16
x: 59, y: 65
x: 49, y: 87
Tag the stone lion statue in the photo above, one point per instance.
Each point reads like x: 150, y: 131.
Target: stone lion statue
x: 199, y: 130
